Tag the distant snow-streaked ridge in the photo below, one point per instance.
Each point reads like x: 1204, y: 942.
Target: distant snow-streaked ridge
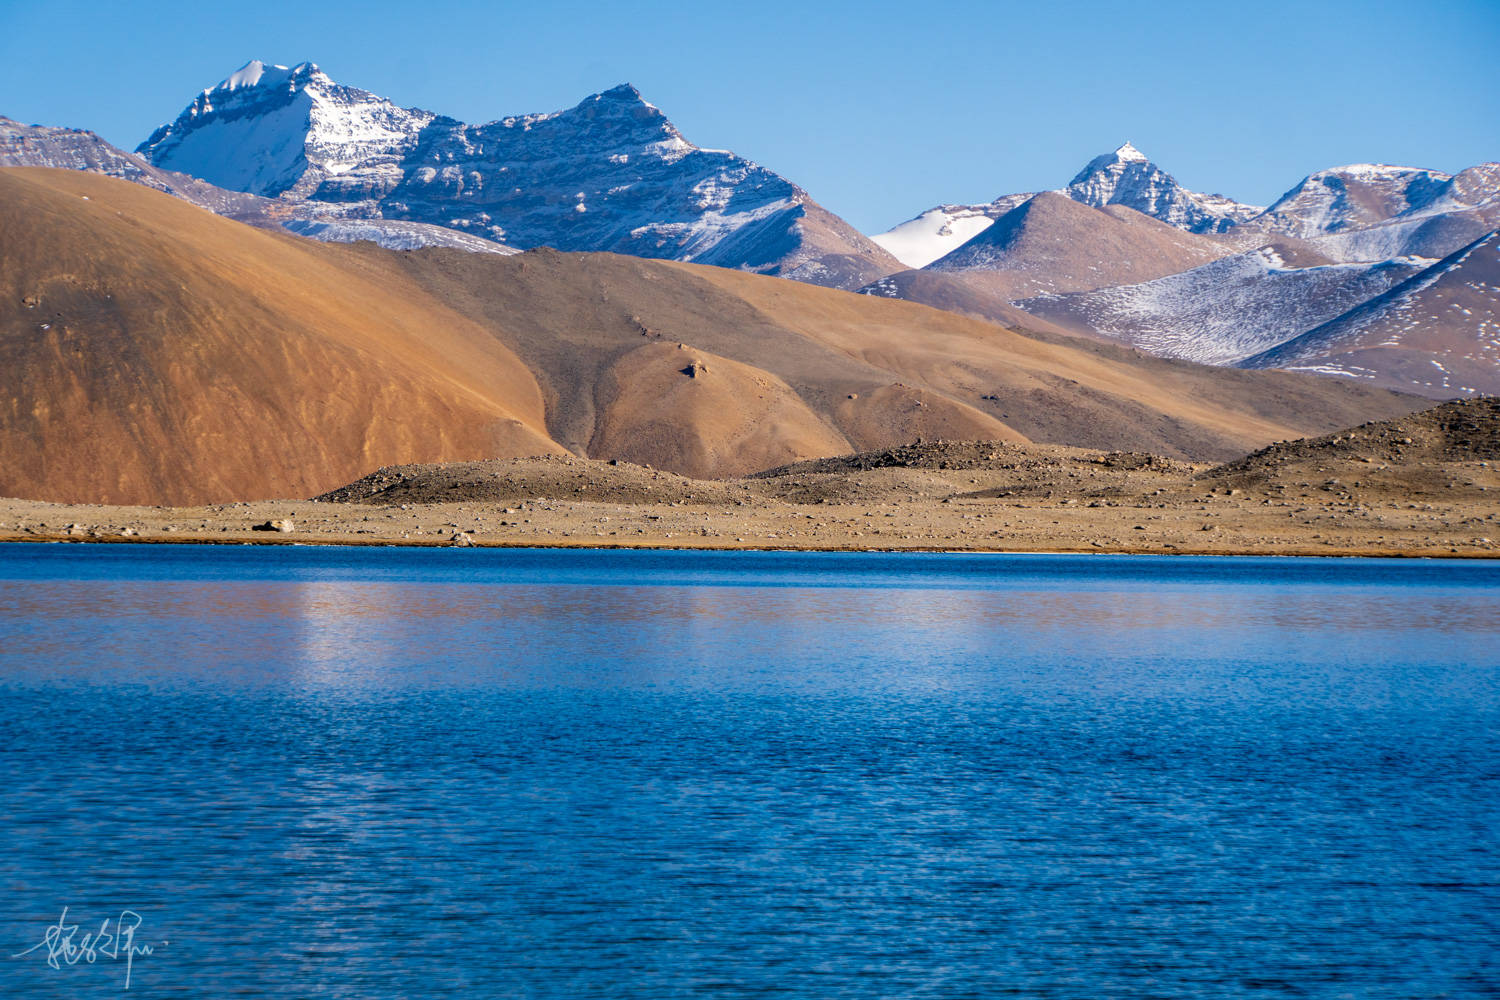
x: 394, y: 235
x: 1342, y: 198
x: 1226, y: 310
x: 1456, y: 301
x: 610, y: 174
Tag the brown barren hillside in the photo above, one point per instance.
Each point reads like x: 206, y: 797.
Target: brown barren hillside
x: 1422, y: 456
x: 153, y: 353
x: 880, y: 372
x: 1050, y: 244
x: 1055, y: 244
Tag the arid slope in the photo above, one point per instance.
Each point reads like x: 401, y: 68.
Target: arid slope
x: 880, y: 372
x: 151, y: 352
x: 1423, y: 456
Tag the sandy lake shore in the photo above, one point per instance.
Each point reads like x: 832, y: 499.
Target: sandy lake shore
x: 963, y: 496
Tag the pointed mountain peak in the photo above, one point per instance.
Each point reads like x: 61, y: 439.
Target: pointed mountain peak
x: 624, y: 92
x: 276, y: 111
x: 1126, y: 177
x: 258, y: 74
x: 624, y: 97
x: 625, y: 106
x: 247, y: 75
x: 1124, y: 159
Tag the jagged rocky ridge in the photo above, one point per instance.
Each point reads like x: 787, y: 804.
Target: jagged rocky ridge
x: 1342, y: 199
x: 1126, y: 177
x: 610, y: 174
x: 79, y: 149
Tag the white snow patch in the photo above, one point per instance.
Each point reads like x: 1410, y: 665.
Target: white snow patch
x: 1226, y: 310
x: 394, y: 234
x: 933, y: 234
x: 256, y: 73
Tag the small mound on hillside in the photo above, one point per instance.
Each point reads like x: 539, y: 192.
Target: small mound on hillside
x: 521, y: 479
x: 920, y: 455
x: 1465, y: 430
x: 970, y: 469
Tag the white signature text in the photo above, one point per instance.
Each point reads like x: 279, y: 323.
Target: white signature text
x: 115, y: 939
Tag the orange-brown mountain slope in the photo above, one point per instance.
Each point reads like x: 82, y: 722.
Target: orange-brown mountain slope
x: 153, y: 353
x: 879, y: 372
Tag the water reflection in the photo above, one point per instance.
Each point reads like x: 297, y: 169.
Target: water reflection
x: 357, y: 636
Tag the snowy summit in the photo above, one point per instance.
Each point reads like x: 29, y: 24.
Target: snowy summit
x: 610, y: 174
x: 1127, y: 177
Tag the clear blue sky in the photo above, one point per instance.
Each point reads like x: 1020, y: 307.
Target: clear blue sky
x: 878, y: 109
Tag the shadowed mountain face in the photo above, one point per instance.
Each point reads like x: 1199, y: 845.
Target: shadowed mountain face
x: 152, y: 352
x: 1437, y: 333
x: 610, y: 174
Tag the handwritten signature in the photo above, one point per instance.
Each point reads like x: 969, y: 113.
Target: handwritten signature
x: 65, y: 946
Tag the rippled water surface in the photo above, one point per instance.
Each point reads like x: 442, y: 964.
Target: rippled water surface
x: 444, y: 773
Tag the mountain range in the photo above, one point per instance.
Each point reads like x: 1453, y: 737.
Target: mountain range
x: 1123, y: 251
x: 191, y: 343
x: 610, y: 174
x: 153, y: 352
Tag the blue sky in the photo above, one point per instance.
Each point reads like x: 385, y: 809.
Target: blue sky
x: 878, y: 109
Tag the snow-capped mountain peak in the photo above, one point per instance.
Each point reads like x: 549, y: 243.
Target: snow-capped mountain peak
x: 942, y: 229
x: 1128, y: 177
x: 1124, y: 177
x: 256, y: 73
x: 1352, y: 196
x: 270, y: 129
x: 611, y: 173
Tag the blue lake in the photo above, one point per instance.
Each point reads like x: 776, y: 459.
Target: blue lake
x: 545, y: 774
